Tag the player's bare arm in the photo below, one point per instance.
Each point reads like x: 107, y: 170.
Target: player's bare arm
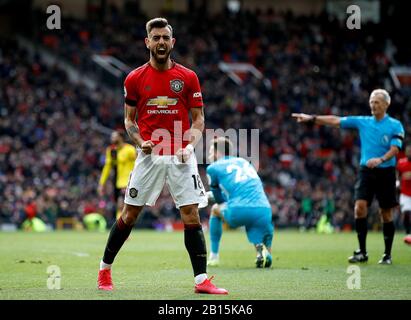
x: 133, y: 130
x: 197, y: 126
x: 333, y: 121
x: 374, y: 162
x: 193, y: 135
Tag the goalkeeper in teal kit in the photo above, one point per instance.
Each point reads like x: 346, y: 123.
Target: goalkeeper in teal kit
x: 240, y: 201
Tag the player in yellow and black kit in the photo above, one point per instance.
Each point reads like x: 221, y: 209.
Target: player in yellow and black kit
x: 121, y: 157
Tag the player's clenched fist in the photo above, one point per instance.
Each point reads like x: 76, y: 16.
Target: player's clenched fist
x: 184, y: 154
x: 147, y: 146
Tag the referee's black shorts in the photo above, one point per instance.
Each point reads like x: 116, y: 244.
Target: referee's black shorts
x: 378, y: 182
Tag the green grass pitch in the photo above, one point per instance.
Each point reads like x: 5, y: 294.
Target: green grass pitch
x: 154, y: 265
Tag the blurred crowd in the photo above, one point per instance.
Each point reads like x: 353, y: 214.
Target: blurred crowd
x: 51, y: 157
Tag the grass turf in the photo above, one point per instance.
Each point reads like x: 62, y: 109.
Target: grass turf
x: 154, y: 265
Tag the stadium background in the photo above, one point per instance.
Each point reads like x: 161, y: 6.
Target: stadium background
x: 58, y: 104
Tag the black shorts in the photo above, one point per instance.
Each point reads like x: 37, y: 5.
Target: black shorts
x: 379, y: 182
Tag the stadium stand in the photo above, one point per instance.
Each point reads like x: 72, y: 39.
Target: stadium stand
x: 51, y: 158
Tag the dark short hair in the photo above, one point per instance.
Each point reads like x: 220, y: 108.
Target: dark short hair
x: 223, y: 145
x: 158, y: 23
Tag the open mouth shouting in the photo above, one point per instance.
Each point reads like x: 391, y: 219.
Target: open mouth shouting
x: 160, y: 54
x: 161, y: 51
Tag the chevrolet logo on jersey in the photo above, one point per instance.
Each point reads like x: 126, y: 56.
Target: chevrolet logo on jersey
x: 162, y: 102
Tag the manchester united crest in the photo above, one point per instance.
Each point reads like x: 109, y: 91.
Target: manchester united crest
x: 176, y: 85
x: 133, y: 192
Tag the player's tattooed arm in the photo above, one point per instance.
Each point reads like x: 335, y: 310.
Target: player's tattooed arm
x: 131, y: 126
x: 132, y: 130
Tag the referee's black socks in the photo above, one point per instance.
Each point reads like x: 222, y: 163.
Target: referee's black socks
x: 388, y: 230
x: 362, y: 228
x: 196, y: 247
x: 118, y: 235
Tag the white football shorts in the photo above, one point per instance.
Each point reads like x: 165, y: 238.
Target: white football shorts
x: 151, y: 172
x: 405, y: 202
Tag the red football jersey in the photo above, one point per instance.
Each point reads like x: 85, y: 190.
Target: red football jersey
x: 163, y: 100
x: 404, y: 168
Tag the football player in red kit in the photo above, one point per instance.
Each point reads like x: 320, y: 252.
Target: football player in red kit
x: 404, y: 170
x: 159, y: 98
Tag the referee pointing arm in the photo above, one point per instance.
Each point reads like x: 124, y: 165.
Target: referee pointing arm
x: 381, y: 139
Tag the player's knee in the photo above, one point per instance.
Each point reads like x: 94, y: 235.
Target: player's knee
x: 215, y: 210
x: 129, y: 219
x: 130, y: 214
x: 386, y: 215
x: 360, y: 209
x: 189, y: 214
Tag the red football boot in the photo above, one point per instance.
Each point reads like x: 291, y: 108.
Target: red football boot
x: 407, y: 239
x: 104, y: 280
x: 207, y: 287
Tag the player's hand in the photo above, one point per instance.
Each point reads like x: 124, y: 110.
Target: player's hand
x: 183, y: 154
x: 147, y: 146
x: 100, y: 190
x: 374, y: 162
x: 302, y: 117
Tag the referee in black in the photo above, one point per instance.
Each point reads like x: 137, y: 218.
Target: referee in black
x: 381, y: 139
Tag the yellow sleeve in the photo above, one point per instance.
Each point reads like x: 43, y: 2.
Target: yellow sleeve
x: 106, y: 169
x: 133, y: 153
